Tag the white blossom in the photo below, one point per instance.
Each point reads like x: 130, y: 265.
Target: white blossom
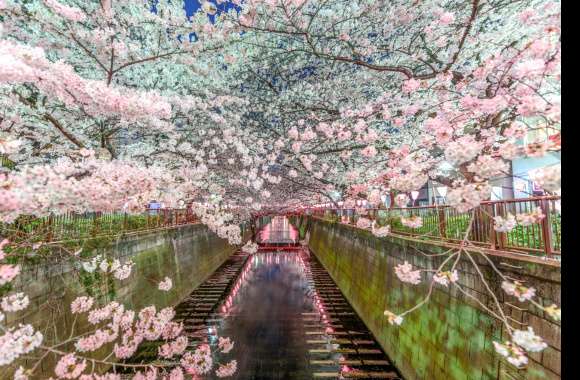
x: 528, y: 340
x: 393, y: 319
x: 517, y: 290
x: 166, y: 284
x: 15, y: 302
x: 406, y: 273
x: 444, y: 278
x: 504, y: 224
x: 513, y: 354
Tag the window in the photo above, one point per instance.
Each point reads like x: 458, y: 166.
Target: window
x: 496, y: 193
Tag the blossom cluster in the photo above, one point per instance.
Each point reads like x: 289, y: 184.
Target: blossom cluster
x: 406, y: 273
x: 199, y: 362
x: 364, y: 223
x: 504, y: 224
x: 468, y: 196
x: 516, y: 289
x: 413, y: 221
x: 250, y: 247
x: 381, y: 231
x: 119, y: 271
x: 165, y: 285
x: 18, y: 341
x: 509, y: 222
x: 549, y: 178
x: 446, y: 277
x: 82, y: 185
x: 392, y: 318
x: 70, y: 13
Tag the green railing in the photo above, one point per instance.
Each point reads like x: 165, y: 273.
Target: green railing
x: 442, y: 222
x: 72, y: 226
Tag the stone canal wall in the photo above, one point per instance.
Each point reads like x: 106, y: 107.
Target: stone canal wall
x: 451, y: 336
x: 187, y: 254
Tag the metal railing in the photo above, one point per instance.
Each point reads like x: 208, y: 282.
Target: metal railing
x: 71, y: 226
x: 443, y: 222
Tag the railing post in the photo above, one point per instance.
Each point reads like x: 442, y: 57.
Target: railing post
x: 49, y: 225
x: 442, y: 222
x: 547, y: 227
x: 499, y: 237
x: 96, y: 222
x: 492, y: 232
x: 373, y: 214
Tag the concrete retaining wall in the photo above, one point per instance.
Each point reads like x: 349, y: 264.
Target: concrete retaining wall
x: 188, y: 255
x: 451, y: 336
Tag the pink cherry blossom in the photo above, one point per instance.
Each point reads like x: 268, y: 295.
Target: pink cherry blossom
x: 198, y: 363
x: 504, y: 224
x: 363, y: 223
x: 529, y: 218
x: 446, y: 18
x: 225, y: 345
x: 412, y: 221
x: 392, y: 318
x: 82, y: 304
x: 71, y: 13
x: 20, y: 373
x: 517, y: 290
x: 411, y: 85
x: 8, y: 273
x: 17, y: 342
x: 166, y: 284
x: 513, y: 353
x: 446, y: 277
x: 69, y: 367
x: 15, y: 302
x: 466, y: 197
x: 176, y: 347
x: 227, y: 370
x: 381, y: 231
x: 406, y: 273
x: 176, y: 374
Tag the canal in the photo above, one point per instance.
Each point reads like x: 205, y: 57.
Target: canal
x: 287, y: 317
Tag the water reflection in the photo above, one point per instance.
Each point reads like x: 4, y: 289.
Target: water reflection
x: 278, y: 231
x: 263, y: 316
x: 289, y: 320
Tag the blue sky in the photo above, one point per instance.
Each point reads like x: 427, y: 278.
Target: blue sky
x: 193, y: 5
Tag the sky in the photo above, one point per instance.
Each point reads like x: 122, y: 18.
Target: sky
x: 193, y: 5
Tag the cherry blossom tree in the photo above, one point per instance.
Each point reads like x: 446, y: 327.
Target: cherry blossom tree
x: 370, y: 96
x: 356, y: 99
x: 272, y: 105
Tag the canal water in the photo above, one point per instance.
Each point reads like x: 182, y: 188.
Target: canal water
x: 286, y: 316
x: 278, y: 232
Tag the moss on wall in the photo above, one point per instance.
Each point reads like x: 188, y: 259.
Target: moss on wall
x: 188, y: 255
x: 448, y: 338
